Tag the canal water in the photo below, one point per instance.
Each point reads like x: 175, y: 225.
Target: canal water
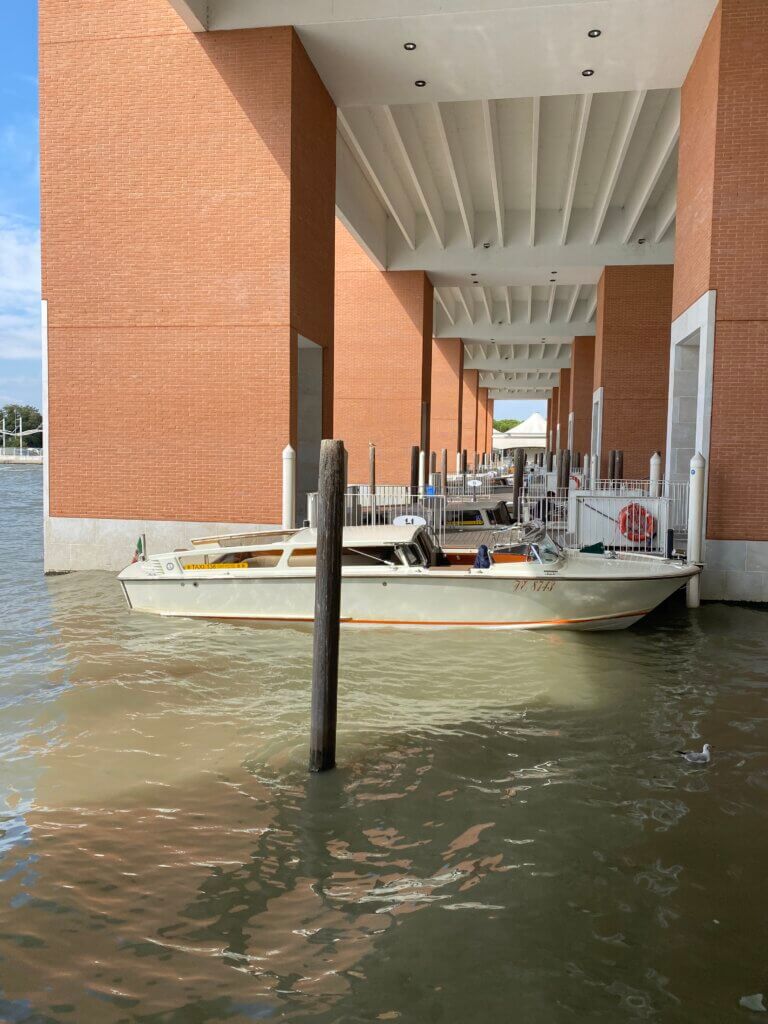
x: 509, y: 835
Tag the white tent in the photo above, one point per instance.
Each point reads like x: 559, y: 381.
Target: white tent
x: 530, y: 434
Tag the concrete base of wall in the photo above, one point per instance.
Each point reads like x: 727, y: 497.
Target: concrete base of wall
x: 72, y: 544
x: 736, y: 570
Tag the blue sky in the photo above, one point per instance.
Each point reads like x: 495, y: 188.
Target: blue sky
x: 20, y: 216
x: 19, y: 207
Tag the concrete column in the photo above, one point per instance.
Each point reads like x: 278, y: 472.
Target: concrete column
x: 580, y: 404
x: 469, y: 403
x: 563, y: 406
x: 382, y: 362
x: 634, y: 309
x: 447, y: 388
x: 178, y: 297
x: 720, y: 304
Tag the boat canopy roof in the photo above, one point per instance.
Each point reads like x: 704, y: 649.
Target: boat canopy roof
x: 362, y: 536
x: 354, y: 536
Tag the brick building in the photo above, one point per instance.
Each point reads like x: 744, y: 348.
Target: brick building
x: 263, y: 224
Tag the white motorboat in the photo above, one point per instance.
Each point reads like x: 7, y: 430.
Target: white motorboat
x: 399, y: 576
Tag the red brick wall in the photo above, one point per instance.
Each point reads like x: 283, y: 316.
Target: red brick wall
x: 469, y: 413
x: 695, y: 178
x: 482, y: 419
x: 563, y: 405
x: 383, y: 361
x: 634, y: 312
x: 169, y: 217
x: 489, y: 426
x: 447, y: 370
x: 580, y: 402
x: 723, y: 189
x: 554, y: 416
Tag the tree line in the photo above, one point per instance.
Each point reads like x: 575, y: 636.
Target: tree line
x: 30, y: 418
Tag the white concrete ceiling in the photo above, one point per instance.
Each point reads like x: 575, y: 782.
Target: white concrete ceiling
x: 509, y: 177
x: 479, y: 49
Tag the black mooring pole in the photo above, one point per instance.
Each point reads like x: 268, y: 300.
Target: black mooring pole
x: 325, y: 647
x: 414, y: 470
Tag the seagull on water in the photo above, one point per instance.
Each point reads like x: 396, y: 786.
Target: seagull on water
x: 697, y: 757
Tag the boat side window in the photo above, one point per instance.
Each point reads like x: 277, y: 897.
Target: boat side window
x: 302, y: 558
x: 412, y: 554
x: 491, y: 514
x: 369, y: 557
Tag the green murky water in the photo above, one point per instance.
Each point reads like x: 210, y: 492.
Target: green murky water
x: 508, y: 837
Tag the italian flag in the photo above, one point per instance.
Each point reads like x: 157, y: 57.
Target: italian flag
x: 139, y: 554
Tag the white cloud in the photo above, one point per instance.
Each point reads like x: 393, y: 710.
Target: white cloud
x: 19, y: 289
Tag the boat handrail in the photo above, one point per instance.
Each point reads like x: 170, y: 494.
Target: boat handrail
x: 237, y: 538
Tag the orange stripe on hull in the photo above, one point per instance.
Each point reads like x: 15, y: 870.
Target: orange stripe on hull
x: 412, y: 622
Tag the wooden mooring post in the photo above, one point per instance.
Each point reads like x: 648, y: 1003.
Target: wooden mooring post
x: 444, y: 470
x: 325, y: 643
x: 414, y: 470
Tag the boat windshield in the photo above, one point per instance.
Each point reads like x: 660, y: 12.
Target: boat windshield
x: 503, y: 517
x: 546, y: 550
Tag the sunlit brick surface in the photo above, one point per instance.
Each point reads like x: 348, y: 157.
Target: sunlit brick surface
x: 187, y: 212
x: 580, y: 401
x: 447, y: 368
x: 722, y: 244
x: 634, y: 314
x: 383, y: 355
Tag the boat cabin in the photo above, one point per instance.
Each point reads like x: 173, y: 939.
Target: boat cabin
x: 362, y: 547
x: 477, y: 515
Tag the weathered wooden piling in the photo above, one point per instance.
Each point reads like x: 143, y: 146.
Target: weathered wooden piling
x: 566, y: 469
x: 464, y: 461
x: 325, y: 643
x: 612, y: 464
x: 444, y: 471
x: 618, y: 468
x: 372, y: 467
x: 432, y: 462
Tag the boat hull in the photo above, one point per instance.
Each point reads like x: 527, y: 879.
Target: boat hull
x: 428, y: 599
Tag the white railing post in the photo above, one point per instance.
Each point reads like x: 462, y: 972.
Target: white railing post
x: 695, y: 525
x: 655, y: 476
x: 289, y: 488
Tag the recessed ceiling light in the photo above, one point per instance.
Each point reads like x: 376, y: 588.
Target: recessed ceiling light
x: 412, y: 46
x: 587, y: 72
x: 419, y: 83
x: 593, y: 34
x: 640, y: 241
x: 486, y: 245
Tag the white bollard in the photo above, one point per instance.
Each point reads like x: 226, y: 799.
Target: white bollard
x: 594, y: 465
x: 289, y: 488
x: 312, y: 510
x: 422, y: 471
x: 695, y: 525
x: 458, y: 462
x: 655, y: 479
x: 585, y: 471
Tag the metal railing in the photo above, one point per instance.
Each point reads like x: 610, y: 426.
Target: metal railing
x: 20, y: 453
x: 622, y: 515
x: 390, y: 505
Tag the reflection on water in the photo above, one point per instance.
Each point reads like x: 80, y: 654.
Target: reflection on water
x: 509, y: 836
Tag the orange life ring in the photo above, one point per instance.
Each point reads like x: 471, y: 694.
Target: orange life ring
x: 636, y: 522
x: 576, y: 481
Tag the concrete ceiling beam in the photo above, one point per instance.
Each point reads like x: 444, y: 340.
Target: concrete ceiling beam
x: 655, y: 160
x: 364, y: 141
x: 411, y: 149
